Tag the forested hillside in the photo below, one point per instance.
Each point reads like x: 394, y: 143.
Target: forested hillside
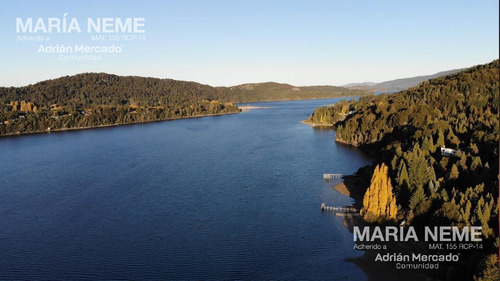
x: 100, y: 99
x: 407, y: 131
x: 97, y: 99
x: 271, y: 91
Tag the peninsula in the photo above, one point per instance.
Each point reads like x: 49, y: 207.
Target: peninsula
x: 436, y: 151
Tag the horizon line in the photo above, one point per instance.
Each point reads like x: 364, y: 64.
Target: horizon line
x: 236, y: 85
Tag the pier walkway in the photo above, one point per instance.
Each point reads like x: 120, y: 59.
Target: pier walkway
x: 341, y: 211
x: 331, y: 176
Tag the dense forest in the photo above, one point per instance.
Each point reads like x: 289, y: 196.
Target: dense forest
x: 100, y: 99
x: 436, y: 147
x: 271, y: 91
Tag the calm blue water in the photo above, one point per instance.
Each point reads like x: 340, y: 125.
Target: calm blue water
x: 227, y: 197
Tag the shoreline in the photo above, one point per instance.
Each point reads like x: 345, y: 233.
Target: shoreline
x: 353, y: 186
x: 346, y: 142
x: 326, y: 98
x: 315, y: 125
x: 115, y: 125
x: 242, y: 109
x: 250, y: 107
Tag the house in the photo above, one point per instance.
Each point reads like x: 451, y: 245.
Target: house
x: 448, y: 151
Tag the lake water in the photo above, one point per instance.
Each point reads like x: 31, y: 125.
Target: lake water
x: 225, y: 197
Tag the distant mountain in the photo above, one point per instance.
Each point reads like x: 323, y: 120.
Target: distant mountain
x: 271, y: 91
x: 399, y: 84
x: 364, y: 84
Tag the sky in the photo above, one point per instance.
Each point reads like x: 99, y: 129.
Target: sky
x: 224, y: 43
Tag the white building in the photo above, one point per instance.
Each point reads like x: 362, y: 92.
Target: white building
x: 448, y: 151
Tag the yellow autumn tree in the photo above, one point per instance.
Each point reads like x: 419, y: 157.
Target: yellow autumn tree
x: 379, y: 204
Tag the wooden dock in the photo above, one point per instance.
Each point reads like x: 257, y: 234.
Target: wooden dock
x: 340, y: 210
x: 331, y: 176
x: 349, y: 215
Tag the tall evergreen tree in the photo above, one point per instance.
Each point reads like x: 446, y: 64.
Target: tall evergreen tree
x: 476, y: 163
x: 418, y: 169
x: 403, y: 180
x: 453, y: 172
x: 417, y: 197
x: 379, y: 203
x: 440, y: 140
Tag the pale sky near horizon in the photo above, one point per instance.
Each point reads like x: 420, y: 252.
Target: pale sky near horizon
x: 223, y: 43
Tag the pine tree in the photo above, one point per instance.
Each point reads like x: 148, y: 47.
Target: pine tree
x: 440, y: 140
x: 432, y: 147
x: 417, y: 197
x: 452, y: 138
x: 433, y: 187
x: 476, y: 163
x: 394, y: 162
x: 427, y: 145
x: 379, y: 203
x: 453, y: 172
x: 431, y: 173
x: 403, y: 180
x: 465, y: 212
x: 444, y: 195
x: 474, y: 148
x: 418, y: 170
x: 463, y: 161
